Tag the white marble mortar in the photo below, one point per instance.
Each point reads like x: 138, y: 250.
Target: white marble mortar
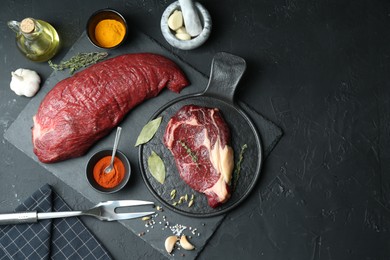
x: 190, y: 44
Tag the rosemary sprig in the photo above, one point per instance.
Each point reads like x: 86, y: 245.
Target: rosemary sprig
x: 78, y: 61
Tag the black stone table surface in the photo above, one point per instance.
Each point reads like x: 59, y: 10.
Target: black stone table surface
x: 319, y: 70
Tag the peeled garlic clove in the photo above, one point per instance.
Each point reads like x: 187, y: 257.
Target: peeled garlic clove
x: 182, y: 30
x: 170, y: 243
x: 185, y: 244
x: 175, y: 21
x: 183, y: 36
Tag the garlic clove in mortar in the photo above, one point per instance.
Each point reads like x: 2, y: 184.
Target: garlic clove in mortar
x: 182, y: 34
x: 175, y: 21
x: 25, y: 82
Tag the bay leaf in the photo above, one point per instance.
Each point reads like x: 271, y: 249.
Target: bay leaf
x: 156, y: 167
x: 148, y: 131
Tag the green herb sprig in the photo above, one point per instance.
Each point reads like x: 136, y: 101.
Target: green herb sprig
x: 78, y: 61
x: 237, y: 169
x: 191, y: 153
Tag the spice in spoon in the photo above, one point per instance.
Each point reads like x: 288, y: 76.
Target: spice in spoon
x: 112, y: 178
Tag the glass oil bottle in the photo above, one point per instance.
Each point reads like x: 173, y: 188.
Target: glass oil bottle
x: 36, y: 39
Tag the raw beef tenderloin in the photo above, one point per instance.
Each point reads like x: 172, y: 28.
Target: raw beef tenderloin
x: 199, y: 138
x: 83, y: 108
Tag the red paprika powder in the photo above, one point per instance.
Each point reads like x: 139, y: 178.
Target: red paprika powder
x: 112, y: 178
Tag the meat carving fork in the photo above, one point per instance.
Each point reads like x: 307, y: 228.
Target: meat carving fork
x: 104, y: 211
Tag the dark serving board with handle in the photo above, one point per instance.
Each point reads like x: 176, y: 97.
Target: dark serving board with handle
x: 226, y: 72
x: 72, y: 172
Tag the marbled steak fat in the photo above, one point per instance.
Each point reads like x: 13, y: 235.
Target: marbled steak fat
x: 83, y: 108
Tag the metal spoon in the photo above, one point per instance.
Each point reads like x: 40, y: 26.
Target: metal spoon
x: 116, y: 141
x: 191, y: 17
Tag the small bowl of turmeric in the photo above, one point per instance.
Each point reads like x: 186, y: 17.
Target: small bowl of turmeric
x: 112, y: 181
x: 107, y: 29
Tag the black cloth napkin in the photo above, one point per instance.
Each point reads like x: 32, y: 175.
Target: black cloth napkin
x: 64, y: 238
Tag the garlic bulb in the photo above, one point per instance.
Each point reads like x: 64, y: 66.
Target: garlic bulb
x: 25, y: 82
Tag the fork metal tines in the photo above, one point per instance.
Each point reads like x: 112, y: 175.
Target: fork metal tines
x: 105, y: 211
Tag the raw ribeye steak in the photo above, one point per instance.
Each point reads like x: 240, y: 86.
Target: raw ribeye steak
x: 199, y: 138
x: 83, y: 108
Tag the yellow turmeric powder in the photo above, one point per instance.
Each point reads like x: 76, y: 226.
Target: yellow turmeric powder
x: 109, y: 33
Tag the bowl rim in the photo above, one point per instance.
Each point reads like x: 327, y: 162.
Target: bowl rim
x: 89, y: 174
x: 91, y: 19
x: 189, y: 44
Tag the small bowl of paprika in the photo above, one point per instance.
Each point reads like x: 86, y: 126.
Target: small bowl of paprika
x: 112, y: 181
x: 107, y: 29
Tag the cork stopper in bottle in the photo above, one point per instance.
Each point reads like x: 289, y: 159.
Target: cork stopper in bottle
x: 27, y: 25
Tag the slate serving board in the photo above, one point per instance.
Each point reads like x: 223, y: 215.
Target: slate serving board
x: 72, y: 171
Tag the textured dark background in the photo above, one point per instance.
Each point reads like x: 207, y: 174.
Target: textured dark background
x: 319, y: 69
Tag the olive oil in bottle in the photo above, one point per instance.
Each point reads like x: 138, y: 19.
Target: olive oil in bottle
x: 36, y: 39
